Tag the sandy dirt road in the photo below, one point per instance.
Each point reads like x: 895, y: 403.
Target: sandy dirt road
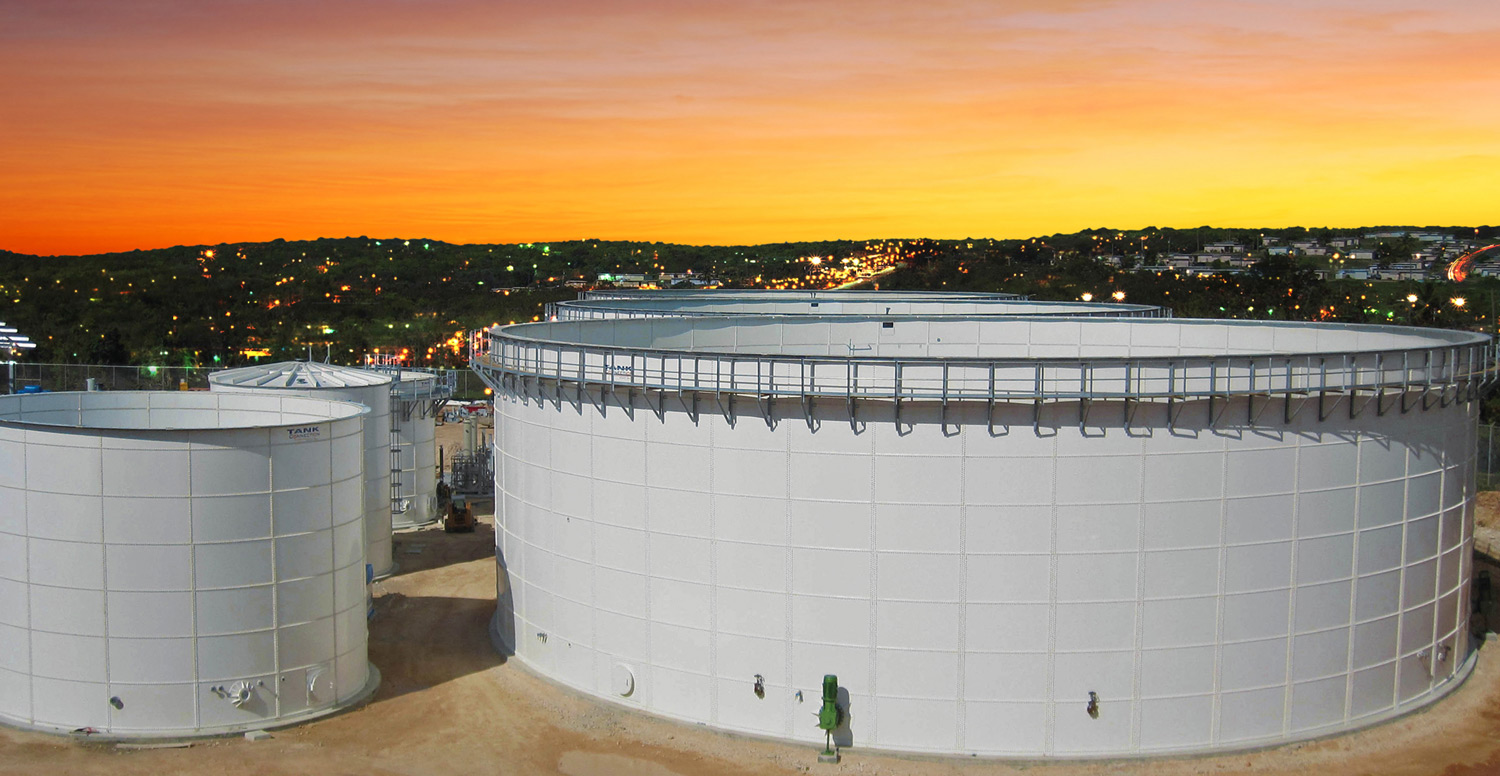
x: 449, y: 704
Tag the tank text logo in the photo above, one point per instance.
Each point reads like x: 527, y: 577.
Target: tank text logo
x: 304, y: 432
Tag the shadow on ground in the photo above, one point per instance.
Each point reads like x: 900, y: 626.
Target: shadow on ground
x: 430, y: 547
x: 420, y: 641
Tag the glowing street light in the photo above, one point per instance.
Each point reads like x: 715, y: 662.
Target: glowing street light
x: 1087, y: 297
x: 1412, y: 298
x: 1459, y: 301
x: 1119, y: 296
x: 12, y: 341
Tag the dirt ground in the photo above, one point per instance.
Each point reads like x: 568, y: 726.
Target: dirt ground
x: 449, y: 704
x: 1487, y: 509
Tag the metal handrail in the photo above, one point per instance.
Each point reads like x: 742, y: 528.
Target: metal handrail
x: 992, y: 379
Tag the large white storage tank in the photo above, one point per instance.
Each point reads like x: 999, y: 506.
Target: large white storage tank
x: 1223, y: 534
x: 419, y: 397
x: 331, y: 381
x: 179, y: 563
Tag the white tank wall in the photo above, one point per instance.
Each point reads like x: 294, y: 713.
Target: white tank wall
x: 170, y: 567
x: 1216, y: 588
x: 377, y: 463
x: 416, y: 444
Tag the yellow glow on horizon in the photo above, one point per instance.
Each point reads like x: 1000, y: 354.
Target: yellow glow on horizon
x: 1035, y: 118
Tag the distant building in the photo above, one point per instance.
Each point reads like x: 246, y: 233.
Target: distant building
x: 623, y: 280
x: 1216, y: 271
x: 1399, y: 272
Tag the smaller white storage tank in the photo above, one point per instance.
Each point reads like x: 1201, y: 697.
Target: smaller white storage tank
x: 179, y: 563
x: 331, y: 381
x: 419, y: 397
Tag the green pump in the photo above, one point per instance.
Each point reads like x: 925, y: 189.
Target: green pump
x: 829, y: 715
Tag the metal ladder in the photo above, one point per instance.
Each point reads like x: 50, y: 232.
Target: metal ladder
x: 397, y: 411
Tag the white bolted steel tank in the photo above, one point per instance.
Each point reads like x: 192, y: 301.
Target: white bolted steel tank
x: 418, y: 398
x: 331, y: 381
x: 1027, y: 537
x: 180, y: 563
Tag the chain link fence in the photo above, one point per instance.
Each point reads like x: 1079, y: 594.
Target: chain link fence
x: 1487, y: 458
x: 21, y: 375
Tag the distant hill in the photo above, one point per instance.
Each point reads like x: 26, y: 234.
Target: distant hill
x: 214, y: 304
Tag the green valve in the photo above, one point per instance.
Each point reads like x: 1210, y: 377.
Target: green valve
x: 829, y: 714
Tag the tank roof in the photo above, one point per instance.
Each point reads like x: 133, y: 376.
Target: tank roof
x: 168, y: 410
x: 986, y: 337
x: 766, y: 293
x: 299, y: 374
x: 889, y: 303
x: 993, y: 358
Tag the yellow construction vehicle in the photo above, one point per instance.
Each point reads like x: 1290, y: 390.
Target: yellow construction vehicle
x: 460, y: 517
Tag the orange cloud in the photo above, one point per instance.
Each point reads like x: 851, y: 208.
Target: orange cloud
x: 142, y: 125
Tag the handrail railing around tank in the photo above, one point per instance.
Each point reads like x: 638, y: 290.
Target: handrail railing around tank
x: 1433, y: 371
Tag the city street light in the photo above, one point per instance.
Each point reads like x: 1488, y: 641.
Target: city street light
x: 1087, y: 297
x: 1119, y: 296
x: 10, y: 342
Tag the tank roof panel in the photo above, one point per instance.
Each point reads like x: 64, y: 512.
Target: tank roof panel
x: 299, y: 374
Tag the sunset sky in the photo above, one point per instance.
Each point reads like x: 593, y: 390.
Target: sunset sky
x: 149, y: 123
